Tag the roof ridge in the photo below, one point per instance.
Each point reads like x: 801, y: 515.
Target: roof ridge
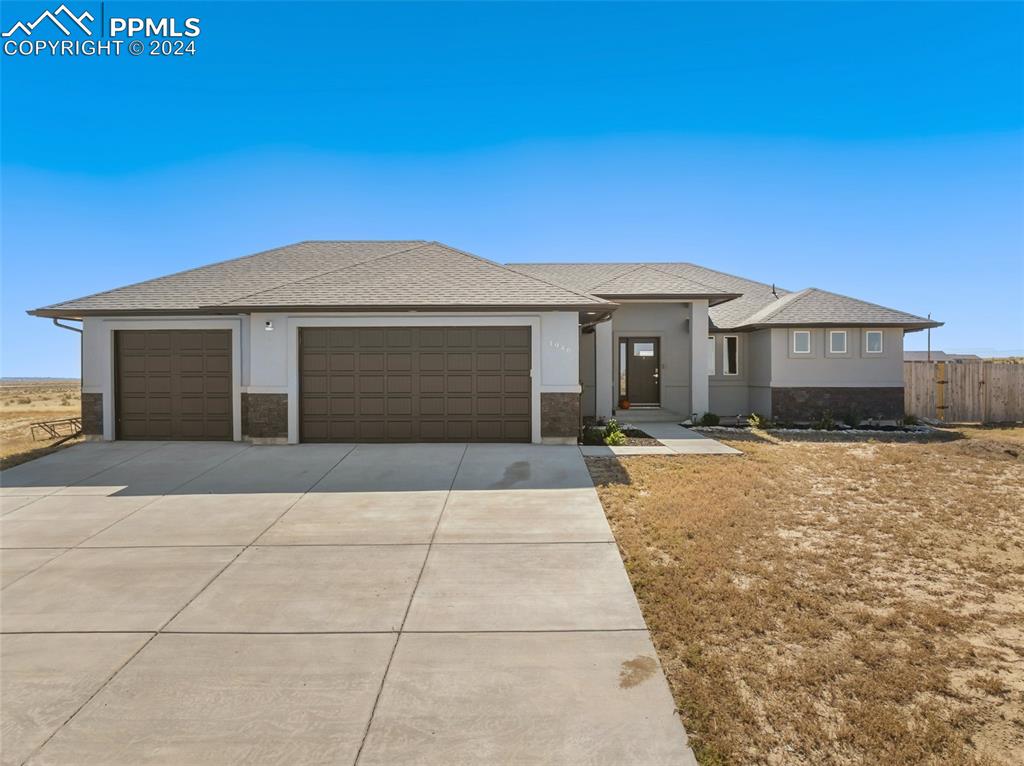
x: 621, y: 274
x: 572, y: 290
x: 655, y: 265
x: 784, y: 301
x: 422, y: 243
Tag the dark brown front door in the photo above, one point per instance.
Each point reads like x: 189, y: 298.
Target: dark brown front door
x: 414, y: 384
x: 173, y: 384
x: 642, y: 364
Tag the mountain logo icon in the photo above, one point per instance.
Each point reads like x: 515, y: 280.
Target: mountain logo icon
x: 55, y: 17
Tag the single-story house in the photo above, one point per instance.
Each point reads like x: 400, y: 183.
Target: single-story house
x: 418, y: 341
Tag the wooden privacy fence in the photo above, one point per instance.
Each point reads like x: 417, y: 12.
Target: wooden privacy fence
x: 964, y: 392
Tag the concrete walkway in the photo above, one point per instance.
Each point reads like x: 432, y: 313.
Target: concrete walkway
x: 221, y: 603
x: 674, y: 438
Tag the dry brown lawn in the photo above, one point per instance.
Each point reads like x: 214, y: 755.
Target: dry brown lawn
x: 822, y: 603
x: 25, y: 402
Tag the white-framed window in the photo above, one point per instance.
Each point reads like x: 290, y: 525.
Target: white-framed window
x: 837, y: 341
x: 731, y: 355
x: 873, y: 341
x: 801, y: 341
x: 711, y: 355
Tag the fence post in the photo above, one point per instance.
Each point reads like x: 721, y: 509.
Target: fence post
x: 940, y: 391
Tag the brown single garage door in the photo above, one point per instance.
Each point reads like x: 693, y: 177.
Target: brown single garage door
x: 413, y: 384
x: 173, y: 384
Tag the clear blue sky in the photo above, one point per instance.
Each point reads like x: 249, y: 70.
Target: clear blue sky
x: 874, y: 150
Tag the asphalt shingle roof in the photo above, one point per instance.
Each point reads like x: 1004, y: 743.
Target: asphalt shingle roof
x: 814, y: 306
x: 332, y: 273
x: 429, y: 275
x: 758, y: 304
x: 625, y: 280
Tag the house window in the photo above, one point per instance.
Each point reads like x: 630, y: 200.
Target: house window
x: 873, y: 341
x: 711, y: 355
x: 837, y: 341
x: 622, y: 368
x: 731, y: 355
x: 643, y: 349
x: 801, y: 341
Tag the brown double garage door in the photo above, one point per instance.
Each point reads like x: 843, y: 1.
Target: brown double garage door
x: 173, y: 384
x: 414, y: 384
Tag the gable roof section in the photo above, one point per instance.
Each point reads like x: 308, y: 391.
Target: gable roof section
x: 627, y: 280
x: 820, y: 307
x: 429, y: 276
x: 757, y: 305
x: 332, y: 274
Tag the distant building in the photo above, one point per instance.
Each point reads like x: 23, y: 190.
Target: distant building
x: 939, y: 356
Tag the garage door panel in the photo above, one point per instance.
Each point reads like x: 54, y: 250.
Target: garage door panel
x: 415, y: 384
x: 489, y: 405
x: 431, y: 337
x: 431, y: 405
x: 517, y: 384
x: 489, y: 430
x: 489, y: 337
x: 370, y: 406
x: 516, y: 337
x: 173, y: 384
x: 400, y: 362
x: 313, y: 362
x: 217, y: 365
x: 371, y: 338
x: 342, y: 362
x: 339, y: 405
x: 371, y: 384
x: 399, y: 384
x: 516, y: 405
x: 400, y: 405
x: 399, y: 338
x: 339, y: 337
x: 459, y: 384
x: 431, y: 362
x: 317, y: 384
x: 460, y: 405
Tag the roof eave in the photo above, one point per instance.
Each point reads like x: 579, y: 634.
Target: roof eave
x: 907, y: 326
x: 713, y: 298
x: 433, y: 307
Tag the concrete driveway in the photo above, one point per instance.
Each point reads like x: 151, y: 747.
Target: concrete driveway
x: 210, y: 603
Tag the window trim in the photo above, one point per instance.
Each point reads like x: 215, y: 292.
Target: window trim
x: 711, y: 356
x: 881, y: 342
x: 846, y: 342
x: 809, y: 342
x: 725, y: 355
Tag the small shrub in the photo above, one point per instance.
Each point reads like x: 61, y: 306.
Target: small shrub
x: 613, y: 435
x: 709, y: 419
x: 910, y: 420
x: 615, y: 439
x: 759, y: 421
x: 826, y: 422
x: 852, y: 418
x: 25, y: 400
x: 593, y: 435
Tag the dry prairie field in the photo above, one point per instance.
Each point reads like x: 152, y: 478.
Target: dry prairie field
x: 30, y: 400
x: 835, y: 603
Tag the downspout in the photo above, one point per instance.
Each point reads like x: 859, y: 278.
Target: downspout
x: 81, y: 359
x: 606, y: 316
